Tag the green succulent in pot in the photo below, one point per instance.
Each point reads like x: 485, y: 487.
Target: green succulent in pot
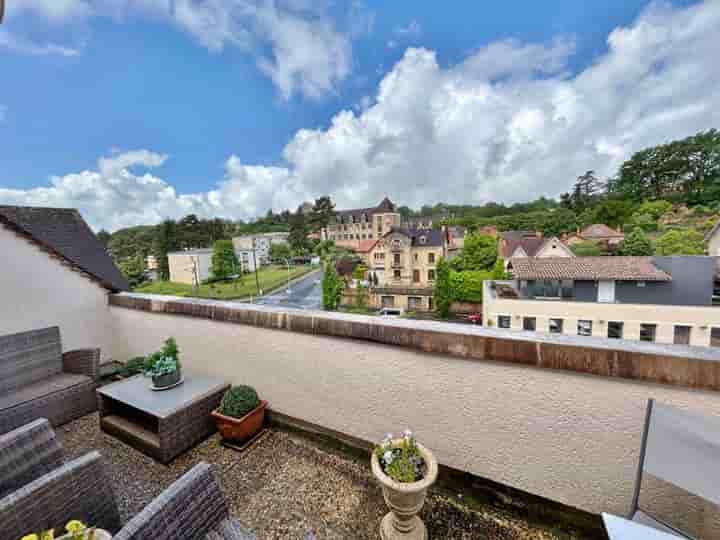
x: 238, y: 401
x: 164, y: 365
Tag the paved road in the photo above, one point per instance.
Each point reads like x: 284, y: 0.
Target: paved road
x: 305, y: 293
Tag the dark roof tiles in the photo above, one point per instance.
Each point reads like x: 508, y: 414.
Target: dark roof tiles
x: 64, y: 233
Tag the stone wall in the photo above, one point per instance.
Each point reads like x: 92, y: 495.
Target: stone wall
x: 536, y: 413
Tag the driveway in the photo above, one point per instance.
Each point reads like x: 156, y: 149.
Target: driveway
x: 305, y: 293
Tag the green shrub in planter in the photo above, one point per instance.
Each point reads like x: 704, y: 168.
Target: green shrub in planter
x: 238, y: 401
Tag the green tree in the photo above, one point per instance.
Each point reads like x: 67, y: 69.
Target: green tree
x: 332, y: 287
x: 165, y: 242
x: 680, y: 242
x: 645, y: 221
x: 224, y: 261
x: 359, y: 272
x: 298, y: 233
x: 133, y: 268
x: 656, y: 209
x: 612, y: 212
x: 479, y: 253
x: 322, y: 211
x: 104, y: 237
x: 443, y: 289
x: 280, y: 252
x: 636, y: 243
x: 558, y: 222
x: 498, y: 271
x: 586, y: 249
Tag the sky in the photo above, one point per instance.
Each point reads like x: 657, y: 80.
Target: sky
x: 134, y: 111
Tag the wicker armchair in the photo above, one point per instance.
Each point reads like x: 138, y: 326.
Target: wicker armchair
x: 38, y: 380
x: 192, y: 508
x: 79, y: 489
x: 27, y: 453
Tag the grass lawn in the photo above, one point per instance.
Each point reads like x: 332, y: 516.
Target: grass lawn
x: 271, y: 277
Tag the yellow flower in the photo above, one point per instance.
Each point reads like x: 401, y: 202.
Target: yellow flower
x: 75, y: 526
x: 30, y: 537
x: 48, y: 535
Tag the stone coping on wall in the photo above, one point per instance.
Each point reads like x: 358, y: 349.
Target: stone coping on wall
x: 682, y: 365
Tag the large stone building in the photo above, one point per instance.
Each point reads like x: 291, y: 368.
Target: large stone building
x: 350, y: 227
x: 404, y: 262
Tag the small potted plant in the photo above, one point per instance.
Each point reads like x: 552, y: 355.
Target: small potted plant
x: 240, y: 414
x: 164, y: 366
x: 405, y: 470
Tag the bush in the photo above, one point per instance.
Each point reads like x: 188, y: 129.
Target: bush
x: 468, y: 286
x: 238, y: 401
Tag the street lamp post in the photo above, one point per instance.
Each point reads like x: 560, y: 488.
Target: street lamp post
x: 288, y: 290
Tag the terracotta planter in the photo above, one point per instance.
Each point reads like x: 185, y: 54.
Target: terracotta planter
x: 241, y: 429
x: 405, y: 500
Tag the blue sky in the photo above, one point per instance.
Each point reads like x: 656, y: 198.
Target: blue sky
x: 272, y: 103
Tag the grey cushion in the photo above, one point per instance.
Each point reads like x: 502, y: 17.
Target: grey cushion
x: 230, y: 529
x: 37, y: 390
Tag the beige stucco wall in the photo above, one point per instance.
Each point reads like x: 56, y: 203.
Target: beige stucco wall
x: 701, y: 319
x: 714, y: 245
x: 38, y: 291
x: 569, y: 437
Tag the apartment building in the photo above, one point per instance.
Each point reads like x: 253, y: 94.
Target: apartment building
x: 191, y: 266
x: 350, y: 227
x: 656, y: 299
x: 404, y: 262
x: 260, y: 243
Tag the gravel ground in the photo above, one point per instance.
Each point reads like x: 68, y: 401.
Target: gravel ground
x: 284, y: 486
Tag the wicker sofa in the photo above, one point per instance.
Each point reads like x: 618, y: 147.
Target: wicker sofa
x: 38, y: 380
x: 39, y: 491
x: 192, y: 508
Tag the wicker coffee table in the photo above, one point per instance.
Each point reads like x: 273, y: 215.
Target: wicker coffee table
x: 160, y: 424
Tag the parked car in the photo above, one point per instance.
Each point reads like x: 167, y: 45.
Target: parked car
x: 391, y: 312
x: 475, y: 318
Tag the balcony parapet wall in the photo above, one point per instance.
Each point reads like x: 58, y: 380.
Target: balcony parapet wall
x: 679, y: 365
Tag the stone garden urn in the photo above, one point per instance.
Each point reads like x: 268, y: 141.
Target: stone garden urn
x: 405, y: 500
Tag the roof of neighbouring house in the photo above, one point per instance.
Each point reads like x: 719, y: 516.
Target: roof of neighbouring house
x: 62, y: 232
x: 600, y: 230
x: 385, y: 206
x: 529, y: 241
x: 365, y: 246
x: 433, y: 237
x: 588, y: 268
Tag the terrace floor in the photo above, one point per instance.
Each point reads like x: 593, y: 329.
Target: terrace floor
x: 285, y: 486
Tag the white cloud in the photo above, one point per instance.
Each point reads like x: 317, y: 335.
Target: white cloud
x: 412, y: 29
x: 296, y: 43
x: 21, y: 45
x: 56, y: 10
x: 485, y: 129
